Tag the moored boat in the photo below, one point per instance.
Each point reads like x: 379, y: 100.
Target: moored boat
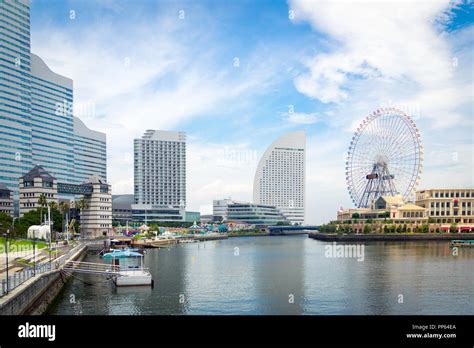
x: 468, y: 243
x: 114, y: 253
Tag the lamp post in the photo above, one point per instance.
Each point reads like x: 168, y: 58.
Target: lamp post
x: 34, y: 253
x: 6, y: 257
x: 50, y: 234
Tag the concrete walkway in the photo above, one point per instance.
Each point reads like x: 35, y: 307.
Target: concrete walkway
x: 42, y: 255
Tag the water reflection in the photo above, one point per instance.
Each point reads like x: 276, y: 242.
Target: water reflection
x: 285, y: 275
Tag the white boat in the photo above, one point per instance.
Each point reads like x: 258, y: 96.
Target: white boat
x: 133, y: 276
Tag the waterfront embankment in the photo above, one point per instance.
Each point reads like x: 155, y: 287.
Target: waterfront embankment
x: 35, y: 294
x: 334, y: 237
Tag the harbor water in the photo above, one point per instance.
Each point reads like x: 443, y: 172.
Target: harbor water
x: 284, y: 275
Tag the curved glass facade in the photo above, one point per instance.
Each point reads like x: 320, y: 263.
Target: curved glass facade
x: 280, y: 177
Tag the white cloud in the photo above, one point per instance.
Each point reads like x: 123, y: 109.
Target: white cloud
x: 388, y: 43
x: 387, y: 53
x: 155, y: 77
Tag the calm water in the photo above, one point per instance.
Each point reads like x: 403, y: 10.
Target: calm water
x: 207, y: 278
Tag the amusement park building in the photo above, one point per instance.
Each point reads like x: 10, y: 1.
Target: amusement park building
x: 387, y: 207
x: 437, y: 208
x: 280, y: 177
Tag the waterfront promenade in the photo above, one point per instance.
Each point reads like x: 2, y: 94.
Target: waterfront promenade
x: 27, y: 285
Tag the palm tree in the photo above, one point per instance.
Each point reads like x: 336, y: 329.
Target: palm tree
x: 82, y: 204
x: 53, y: 205
x: 64, y: 208
x: 42, y: 202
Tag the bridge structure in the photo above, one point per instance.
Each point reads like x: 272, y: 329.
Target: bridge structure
x: 290, y: 229
x: 74, y: 189
x: 92, y: 268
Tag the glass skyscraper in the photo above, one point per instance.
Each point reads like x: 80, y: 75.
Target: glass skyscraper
x: 15, y: 92
x: 37, y: 126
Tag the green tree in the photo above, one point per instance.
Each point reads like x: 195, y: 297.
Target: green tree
x: 367, y: 228
x: 356, y: 216
x: 453, y: 228
x: 64, y: 209
x: 53, y: 205
x: 5, y: 222
x: 42, y: 202
x: 32, y: 218
x: 399, y: 229
x: 81, y: 204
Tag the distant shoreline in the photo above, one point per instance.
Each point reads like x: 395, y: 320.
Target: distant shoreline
x: 262, y: 234
x: 333, y: 237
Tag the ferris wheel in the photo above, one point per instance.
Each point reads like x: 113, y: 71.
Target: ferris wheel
x: 385, y: 157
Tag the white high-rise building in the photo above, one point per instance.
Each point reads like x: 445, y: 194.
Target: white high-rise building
x: 280, y: 177
x: 160, y: 176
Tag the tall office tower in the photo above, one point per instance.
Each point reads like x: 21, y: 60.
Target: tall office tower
x: 280, y: 177
x: 37, y: 125
x: 90, y: 152
x: 51, y: 121
x: 15, y: 92
x: 160, y: 176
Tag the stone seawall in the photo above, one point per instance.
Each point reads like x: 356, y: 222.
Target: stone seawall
x: 33, y: 296
x: 389, y: 237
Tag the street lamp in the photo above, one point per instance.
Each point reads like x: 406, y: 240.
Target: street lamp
x: 6, y: 257
x: 34, y: 253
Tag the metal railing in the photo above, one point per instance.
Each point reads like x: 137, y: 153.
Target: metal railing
x: 17, y: 278
x: 91, y: 267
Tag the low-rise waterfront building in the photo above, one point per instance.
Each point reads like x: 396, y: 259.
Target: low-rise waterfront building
x: 207, y: 218
x: 122, y: 208
x: 255, y: 214
x: 32, y: 185
x: 149, y: 213
x: 386, y: 207
x: 219, y: 208
x: 6, y: 200
x: 434, y: 210
x: 192, y: 216
x: 447, y: 206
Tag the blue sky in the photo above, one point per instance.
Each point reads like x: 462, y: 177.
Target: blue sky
x: 147, y: 64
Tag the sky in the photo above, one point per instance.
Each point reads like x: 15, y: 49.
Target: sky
x: 236, y: 75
